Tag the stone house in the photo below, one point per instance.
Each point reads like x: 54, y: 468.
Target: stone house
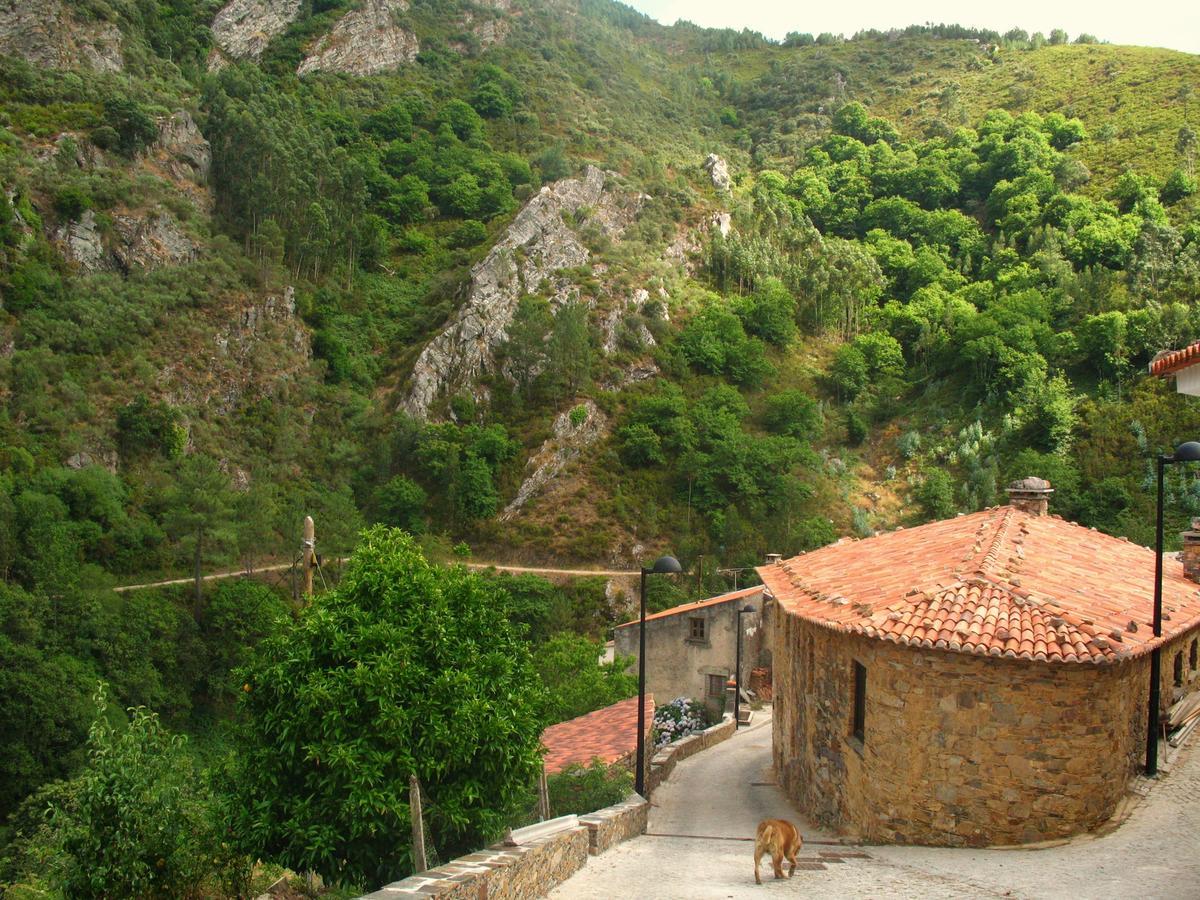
x: 978, y: 680
x: 691, y: 650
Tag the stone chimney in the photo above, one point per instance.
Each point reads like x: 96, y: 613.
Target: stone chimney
x: 773, y: 559
x: 1031, y: 495
x: 1191, y: 551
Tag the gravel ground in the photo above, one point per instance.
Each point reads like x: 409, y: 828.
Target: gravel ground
x: 699, y: 845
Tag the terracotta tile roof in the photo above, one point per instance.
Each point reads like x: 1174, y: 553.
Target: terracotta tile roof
x: 609, y: 733
x: 699, y: 604
x: 1166, y: 363
x: 1002, y: 582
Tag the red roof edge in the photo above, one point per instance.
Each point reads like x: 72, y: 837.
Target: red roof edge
x: 1172, y: 361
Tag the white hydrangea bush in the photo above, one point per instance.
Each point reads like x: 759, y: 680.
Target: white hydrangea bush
x: 677, y: 719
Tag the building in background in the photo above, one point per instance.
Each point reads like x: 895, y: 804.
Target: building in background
x: 691, y: 650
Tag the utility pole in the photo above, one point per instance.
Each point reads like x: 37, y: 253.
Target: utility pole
x: 310, y: 544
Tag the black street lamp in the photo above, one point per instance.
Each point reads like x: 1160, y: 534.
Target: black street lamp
x: 1189, y: 451
x: 737, y: 674
x: 664, y: 565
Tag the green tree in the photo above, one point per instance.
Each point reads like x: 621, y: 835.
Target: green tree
x: 576, y: 681
x: 404, y: 669
x: 401, y: 501
x: 138, y: 823
x: 935, y: 495
x: 794, y: 413
x: 770, y: 313
x: 199, y: 512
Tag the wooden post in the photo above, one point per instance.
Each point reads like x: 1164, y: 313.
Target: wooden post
x: 543, y: 795
x: 310, y: 544
x: 420, y: 864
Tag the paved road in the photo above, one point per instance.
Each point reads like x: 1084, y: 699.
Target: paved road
x: 719, y: 795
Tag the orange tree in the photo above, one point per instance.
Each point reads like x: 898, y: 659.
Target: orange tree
x: 406, y: 668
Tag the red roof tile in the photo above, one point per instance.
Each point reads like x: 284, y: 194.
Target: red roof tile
x: 1002, y: 582
x: 699, y: 604
x: 609, y: 733
x: 1167, y: 363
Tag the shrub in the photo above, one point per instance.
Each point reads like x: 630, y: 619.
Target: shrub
x: 581, y: 789
x: 676, y: 720
x: 468, y: 234
x: 935, y: 495
x: 794, y: 413
x: 856, y: 429
x: 139, y: 823
x: 71, y: 201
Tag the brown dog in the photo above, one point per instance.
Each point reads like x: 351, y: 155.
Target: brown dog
x: 780, y: 838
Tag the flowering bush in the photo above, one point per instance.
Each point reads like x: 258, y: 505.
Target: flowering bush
x: 678, y: 719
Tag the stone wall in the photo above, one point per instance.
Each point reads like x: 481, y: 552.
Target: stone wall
x: 610, y: 826
x: 958, y: 750
x: 528, y: 870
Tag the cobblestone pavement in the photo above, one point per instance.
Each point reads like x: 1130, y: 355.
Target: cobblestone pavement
x: 699, y: 845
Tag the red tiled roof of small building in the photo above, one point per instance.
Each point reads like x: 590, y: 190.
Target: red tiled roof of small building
x: 1167, y: 363
x: 1002, y: 582
x: 609, y: 734
x: 699, y: 604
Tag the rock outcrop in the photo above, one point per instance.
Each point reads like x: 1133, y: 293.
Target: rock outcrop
x: 47, y: 34
x: 80, y: 242
x: 182, y: 149
x: 610, y: 325
x: 537, y: 243
x: 364, y: 41
x: 574, y: 430
x: 244, y: 28
x: 252, y: 348
x: 134, y: 242
x: 147, y: 242
x: 718, y: 171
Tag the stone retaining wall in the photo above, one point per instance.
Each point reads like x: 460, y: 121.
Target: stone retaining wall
x: 610, y: 826
x: 534, y: 868
x: 525, y: 871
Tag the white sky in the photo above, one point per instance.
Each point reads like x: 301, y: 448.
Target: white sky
x: 1151, y: 23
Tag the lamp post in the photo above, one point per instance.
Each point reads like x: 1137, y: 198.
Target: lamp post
x: 1189, y: 451
x: 737, y: 674
x: 664, y: 565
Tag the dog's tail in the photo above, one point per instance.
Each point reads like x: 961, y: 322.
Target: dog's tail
x: 767, y: 834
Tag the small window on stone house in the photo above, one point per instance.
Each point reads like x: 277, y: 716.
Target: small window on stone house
x: 1192, y: 655
x: 1179, y: 669
x: 696, y: 629
x: 716, y: 685
x: 859, y: 724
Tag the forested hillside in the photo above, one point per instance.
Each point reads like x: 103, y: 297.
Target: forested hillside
x: 546, y: 280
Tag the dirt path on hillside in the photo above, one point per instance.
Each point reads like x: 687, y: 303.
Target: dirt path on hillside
x: 279, y: 567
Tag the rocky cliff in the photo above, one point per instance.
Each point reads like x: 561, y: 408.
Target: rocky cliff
x: 575, y: 430
x: 364, y: 41
x: 48, y: 34
x: 244, y: 28
x: 537, y: 243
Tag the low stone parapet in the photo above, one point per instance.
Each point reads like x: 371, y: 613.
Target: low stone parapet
x: 609, y: 826
x: 527, y: 870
